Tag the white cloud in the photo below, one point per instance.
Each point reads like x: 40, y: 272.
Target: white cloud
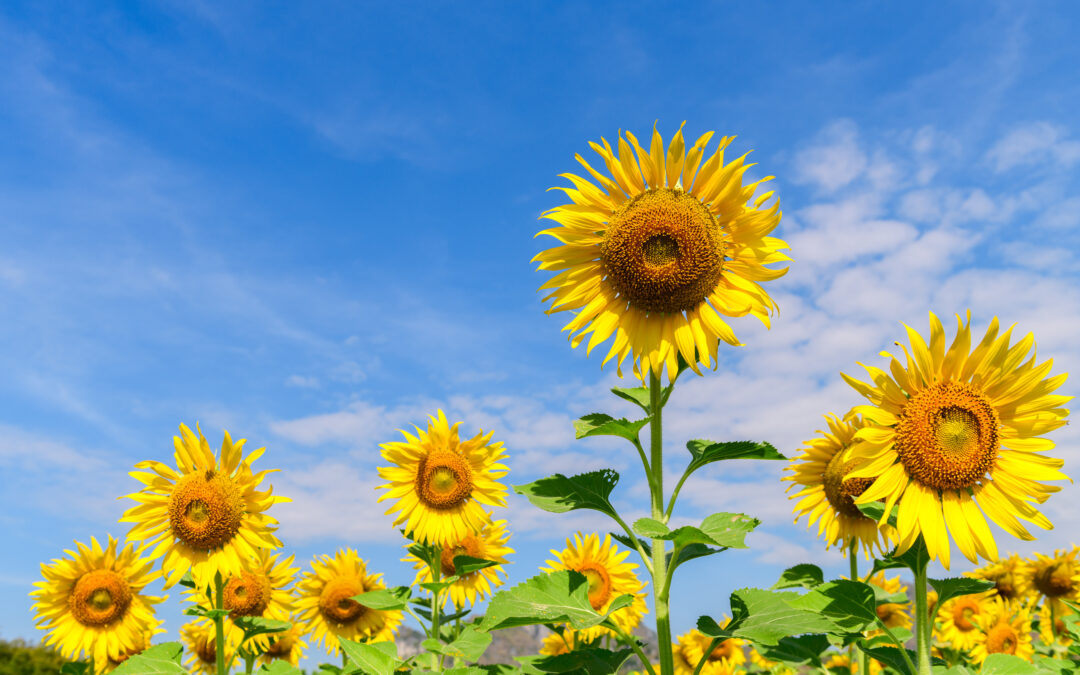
x: 304, y: 382
x: 1034, y: 143
x: 833, y: 160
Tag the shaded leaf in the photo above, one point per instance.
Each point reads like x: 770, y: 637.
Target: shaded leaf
x: 706, y: 452
x: 75, y: 668
x: 849, y: 605
x: 629, y: 543
x: 592, y: 661
x: 163, y: 658
x: 948, y: 589
x: 212, y: 614
x: 469, y: 644
x: 465, y: 565
x: 280, y: 667
x: 766, y: 617
x: 875, y: 510
x: 804, y: 575
x: 890, y: 656
x: 639, y: 396
x: 801, y: 650
x: 376, y: 658
x: 599, y: 424
x: 691, y: 551
x: 559, y: 493
x: 1006, y: 664
x: 547, y: 598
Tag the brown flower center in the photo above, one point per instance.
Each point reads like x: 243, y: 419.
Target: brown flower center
x: 336, y: 603
x: 947, y: 436
x: 1002, y: 639
x: 841, y: 493
x: 206, y: 510
x: 444, y: 480
x: 99, y: 598
x: 1055, y: 580
x: 282, y: 646
x: 599, y: 583
x: 470, y: 547
x: 247, y: 595
x: 206, y: 648
x: 663, y: 251
x: 723, y: 651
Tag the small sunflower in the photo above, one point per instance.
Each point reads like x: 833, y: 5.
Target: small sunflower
x: 285, y: 646
x: 722, y: 660
x: 555, y: 644
x: 1056, y: 577
x: 208, y: 516
x: 1011, y: 577
x: 1005, y: 628
x: 959, y: 619
x: 602, y: 564
x: 200, y: 638
x: 92, y: 603
x: 954, y: 431
x: 837, y: 661
x: 489, y: 543
x: 828, y: 496
x: 893, y: 614
x: 660, y: 252
x: 327, y: 610
x: 441, y: 484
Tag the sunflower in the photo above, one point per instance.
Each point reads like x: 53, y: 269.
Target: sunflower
x: 959, y: 619
x: 682, y: 666
x: 207, y: 516
x: 200, y: 638
x: 955, y: 431
x: 327, y: 610
x: 1011, y: 577
x: 892, y: 614
x: 285, y: 646
x: 489, y: 543
x: 722, y: 660
x: 838, y: 661
x: 555, y: 644
x: 441, y: 483
x: 1055, y: 577
x: 609, y: 577
x: 91, y: 602
x: 1005, y: 628
x: 768, y: 665
x: 660, y: 251
x: 827, y: 497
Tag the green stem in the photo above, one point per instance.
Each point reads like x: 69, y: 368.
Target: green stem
x: 661, y: 587
x: 436, y: 572
x: 705, y: 656
x: 853, y: 574
x: 633, y: 537
x: 249, y: 664
x: 922, y: 621
x: 899, y: 645
x: 219, y: 624
x: 632, y: 641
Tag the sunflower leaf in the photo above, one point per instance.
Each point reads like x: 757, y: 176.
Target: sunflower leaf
x: 883, y: 597
x: 187, y: 580
x: 75, y: 668
x: 465, y: 565
x: 849, y: 605
x: 163, y: 658
x: 212, y: 614
x: 559, y: 493
x: 648, y: 527
x: 765, y: 617
x: 639, y: 396
x: 706, y: 452
x: 957, y: 586
x: 798, y: 651
x: 629, y: 543
x: 800, y: 576
x: 691, y: 551
x: 875, y: 510
x: 468, y: 645
x: 890, y: 656
x: 1006, y: 664
x: 720, y: 529
x: 599, y: 424
x: 556, y: 597
x: 279, y: 667
x: 376, y: 658
x: 257, y: 625
x: 592, y: 661
x: 385, y: 598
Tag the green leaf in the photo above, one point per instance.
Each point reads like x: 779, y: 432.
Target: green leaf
x: 766, y: 617
x: 629, y: 543
x: 890, y: 656
x: 1006, y: 664
x: 800, y: 576
x: 955, y: 670
x: 559, y: 494
x: 376, y: 658
x: 385, y: 598
x: 447, y: 618
x: 470, y: 670
x: 75, y: 668
x: 279, y: 667
x: 547, y: 598
x: 692, y: 551
x: 599, y: 424
x: 650, y: 528
x: 639, y: 396
x: 875, y: 510
x: 1054, y: 666
x: 256, y: 625
x: 849, y: 605
x: 187, y: 580
x: 163, y: 658
x: 957, y: 586
x: 591, y: 661
x: 212, y: 614
x: 720, y: 529
x: 468, y: 645
x: 500, y: 669
x: 465, y: 565
x: 797, y: 651
x: 329, y: 668
x: 707, y: 452
x: 429, y: 555
x: 883, y: 597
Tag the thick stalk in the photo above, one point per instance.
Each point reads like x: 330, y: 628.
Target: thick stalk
x: 219, y: 624
x: 922, y: 621
x: 436, y: 572
x: 661, y: 587
x: 249, y: 664
x: 853, y: 562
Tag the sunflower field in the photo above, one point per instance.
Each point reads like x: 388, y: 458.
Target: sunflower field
x: 661, y: 250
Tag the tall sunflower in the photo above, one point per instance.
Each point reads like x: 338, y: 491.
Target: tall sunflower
x: 959, y: 619
x: 952, y: 431
x: 661, y: 251
x: 91, y: 602
x: 1005, y: 629
x: 827, y: 495
x: 200, y: 638
x: 206, y: 516
x: 724, y: 658
x: 609, y: 576
x: 489, y: 543
x: 285, y: 646
x: 441, y: 483
x: 325, y: 606
x: 1011, y: 577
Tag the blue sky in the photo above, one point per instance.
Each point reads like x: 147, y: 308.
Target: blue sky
x: 312, y: 225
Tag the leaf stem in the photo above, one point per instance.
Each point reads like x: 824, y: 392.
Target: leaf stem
x: 219, y: 624
x: 632, y: 641
x: 705, y: 656
x: 661, y: 585
x: 899, y: 645
x: 633, y: 537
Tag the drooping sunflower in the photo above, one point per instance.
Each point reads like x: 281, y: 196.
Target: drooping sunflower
x: 722, y: 660
x: 1056, y: 577
x: 1011, y: 577
x: 441, y: 484
x: 1005, y: 628
x: 325, y: 606
x: 828, y: 495
x: 609, y: 576
x: 91, y: 602
x: 892, y: 614
x: 555, y: 644
x: 953, y: 431
x: 958, y: 619
x: 285, y: 646
x: 200, y: 638
x: 661, y: 251
x: 489, y: 543
x: 207, y: 515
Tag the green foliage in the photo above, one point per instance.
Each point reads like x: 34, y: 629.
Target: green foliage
x: 256, y: 625
x: 797, y: 651
x: 639, y: 396
x: 20, y: 658
x: 800, y: 576
x: 592, y: 661
x: 212, y: 614
x: 890, y: 656
x: 1006, y: 664
x: 947, y: 589
x: 469, y: 645
x: 557, y: 597
x: 396, y: 597
x: 706, y: 452
x: 163, y: 659
x: 765, y: 617
x: 559, y: 493
x: 279, y: 667
x: 599, y: 424
x: 727, y: 530
x: 377, y: 658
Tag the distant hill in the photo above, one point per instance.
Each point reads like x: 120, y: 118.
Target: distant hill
x: 17, y: 657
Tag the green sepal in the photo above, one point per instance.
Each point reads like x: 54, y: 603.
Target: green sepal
x: 157, y: 660
x: 376, y: 658
x: 559, y: 493
x: 948, y: 589
x: 599, y: 424
x: 187, y: 581
x: 804, y: 575
x: 557, y: 597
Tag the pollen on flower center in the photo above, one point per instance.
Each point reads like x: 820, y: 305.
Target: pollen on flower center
x: 444, y: 480
x: 247, y: 595
x: 99, y: 598
x: 841, y: 493
x: 947, y: 436
x: 1002, y: 639
x: 336, y: 603
x: 663, y: 251
x: 599, y: 584
x: 206, y: 510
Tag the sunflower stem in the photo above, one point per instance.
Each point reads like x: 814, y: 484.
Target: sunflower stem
x: 922, y: 620
x: 219, y: 624
x: 661, y: 585
x: 896, y: 641
x: 249, y: 664
x: 436, y: 572
x: 629, y: 639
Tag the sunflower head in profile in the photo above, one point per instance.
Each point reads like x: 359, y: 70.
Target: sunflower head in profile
x: 325, y: 606
x: 1004, y: 628
x: 555, y: 643
x: 842, y: 662
x: 724, y: 658
x: 1056, y: 577
x: 958, y: 619
x: 892, y: 614
x: 92, y: 602
x: 952, y: 430
x: 441, y: 484
x: 659, y: 250
x: 1011, y: 577
x: 207, y: 515
x: 603, y: 566
x: 488, y: 543
x: 827, y: 495
x: 200, y: 642
x: 287, y: 646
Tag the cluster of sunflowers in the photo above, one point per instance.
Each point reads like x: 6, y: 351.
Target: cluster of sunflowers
x: 655, y: 255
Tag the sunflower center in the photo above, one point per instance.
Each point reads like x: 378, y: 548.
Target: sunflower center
x: 1054, y: 581
x: 1005, y: 587
x: 469, y: 546
x: 336, y: 603
x: 841, y: 493
x: 947, y: 436
x: 1002, y: 639
x: 962, y: 613
x: 206, y: 649
x: 282, y: 646
x: 247, y: 595
x: 444, y: 480
x: 206, y: 510
x: 663, y: 251
x: 99, y: 598
x: 599, y: 584
x: 724, y: 650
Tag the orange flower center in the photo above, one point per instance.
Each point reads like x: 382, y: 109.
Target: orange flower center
x: 963, y: 611
x: 599, y: 583
x: 1002, y: 639
x: 206, y: 510
x: 723, y: 651
x: 336, y: 603
x: 444, y: 480
x: 99, y: 598
x: 841, y: 493
x: 663, y: 251
x: 247, y: 595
